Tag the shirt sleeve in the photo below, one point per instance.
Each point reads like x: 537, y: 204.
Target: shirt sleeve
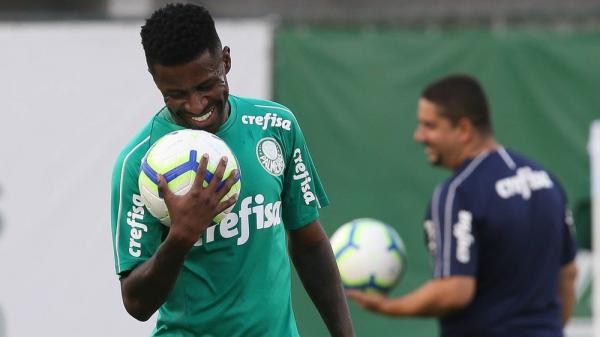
x: 136, y: 234
x: 569, y: 242
x: 451, y: 234
x: 303, y: 193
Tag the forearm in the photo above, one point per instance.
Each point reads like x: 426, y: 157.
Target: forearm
x: 424, y: 301
x: 319, y: 274
x: 435, y: 298
x: 567, y: 291
x: 567, y: 304
x: 147, y: 286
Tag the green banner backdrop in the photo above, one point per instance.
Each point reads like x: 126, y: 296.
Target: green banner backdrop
x: 354, y: 91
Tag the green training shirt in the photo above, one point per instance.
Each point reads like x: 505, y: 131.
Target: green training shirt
x: 236, y: 279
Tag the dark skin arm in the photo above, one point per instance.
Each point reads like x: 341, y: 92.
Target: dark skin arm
x: 315, y: 263
x: 145, y: 288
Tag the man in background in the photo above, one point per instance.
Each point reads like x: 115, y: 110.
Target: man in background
x: 499, y: 230
x: 232, y: 278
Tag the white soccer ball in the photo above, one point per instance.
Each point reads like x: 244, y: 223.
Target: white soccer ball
x: 177, y: 156
x: 370, y: 255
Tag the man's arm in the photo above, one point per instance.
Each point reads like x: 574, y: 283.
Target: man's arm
x: 315, y: 263
x: 145, y: 288
x: 566, y: 290
x: 435, y: 298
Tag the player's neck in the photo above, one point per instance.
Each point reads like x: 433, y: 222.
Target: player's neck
x: 484, y: 144
x: 226, y: 114
x: 479, y: 145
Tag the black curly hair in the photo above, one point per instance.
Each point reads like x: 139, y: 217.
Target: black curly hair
x: 178, y: 33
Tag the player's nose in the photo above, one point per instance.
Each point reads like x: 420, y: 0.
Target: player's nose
x: 418, y: 135
x: 196, y: 103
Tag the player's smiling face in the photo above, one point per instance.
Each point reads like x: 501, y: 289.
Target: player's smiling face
x: 442, y: 139
x: 196, y: 93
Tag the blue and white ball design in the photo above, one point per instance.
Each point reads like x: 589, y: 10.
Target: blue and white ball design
x: 370, y: 255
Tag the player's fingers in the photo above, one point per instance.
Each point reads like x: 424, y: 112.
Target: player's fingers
x: 226, y: 185
x: 358, y: 296
x: 201, y: 172
x: 359, y: 300
x: 353, y: 294
x: 163, y: 189
x: 218, y: 175
x: 367, y: 301
x: 227, y: 203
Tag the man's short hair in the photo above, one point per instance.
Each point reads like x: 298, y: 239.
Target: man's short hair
x: 461, y: 96
x: 178, y: 33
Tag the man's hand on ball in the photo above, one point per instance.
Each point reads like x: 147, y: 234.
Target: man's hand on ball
x: 369, y: 301
x: 193, y: 212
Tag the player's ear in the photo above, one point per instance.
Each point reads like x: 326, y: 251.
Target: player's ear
x: 466, y: 129
x: 227, y: 59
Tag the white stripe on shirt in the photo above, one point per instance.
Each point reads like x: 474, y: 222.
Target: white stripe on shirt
x: 449, y: 205
x: 117, y: 236
x: 272, y: 107
x: 506, y: 157
x: 435, y: 217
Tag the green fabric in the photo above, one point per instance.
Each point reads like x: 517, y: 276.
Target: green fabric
x: 355, y: 92
x: 236, y: 286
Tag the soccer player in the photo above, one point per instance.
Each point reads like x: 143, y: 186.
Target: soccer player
x: 232, y: 278
x: 499, y: 230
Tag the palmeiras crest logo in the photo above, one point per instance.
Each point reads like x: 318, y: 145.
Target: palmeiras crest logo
x: 270, y: 156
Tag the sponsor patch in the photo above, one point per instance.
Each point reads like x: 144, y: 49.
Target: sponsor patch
x: 301, y: 174
x: 464, y: 238
x: 270, y: 156
x: 523, y: 183
x: 268, y: 120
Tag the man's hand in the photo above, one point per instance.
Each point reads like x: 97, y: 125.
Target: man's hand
x: 437, y: 297
x: 369, y: 301
x: 193, y: 212
x: 145, y: 288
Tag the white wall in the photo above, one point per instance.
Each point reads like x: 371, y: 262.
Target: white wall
x: 72, y: 95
